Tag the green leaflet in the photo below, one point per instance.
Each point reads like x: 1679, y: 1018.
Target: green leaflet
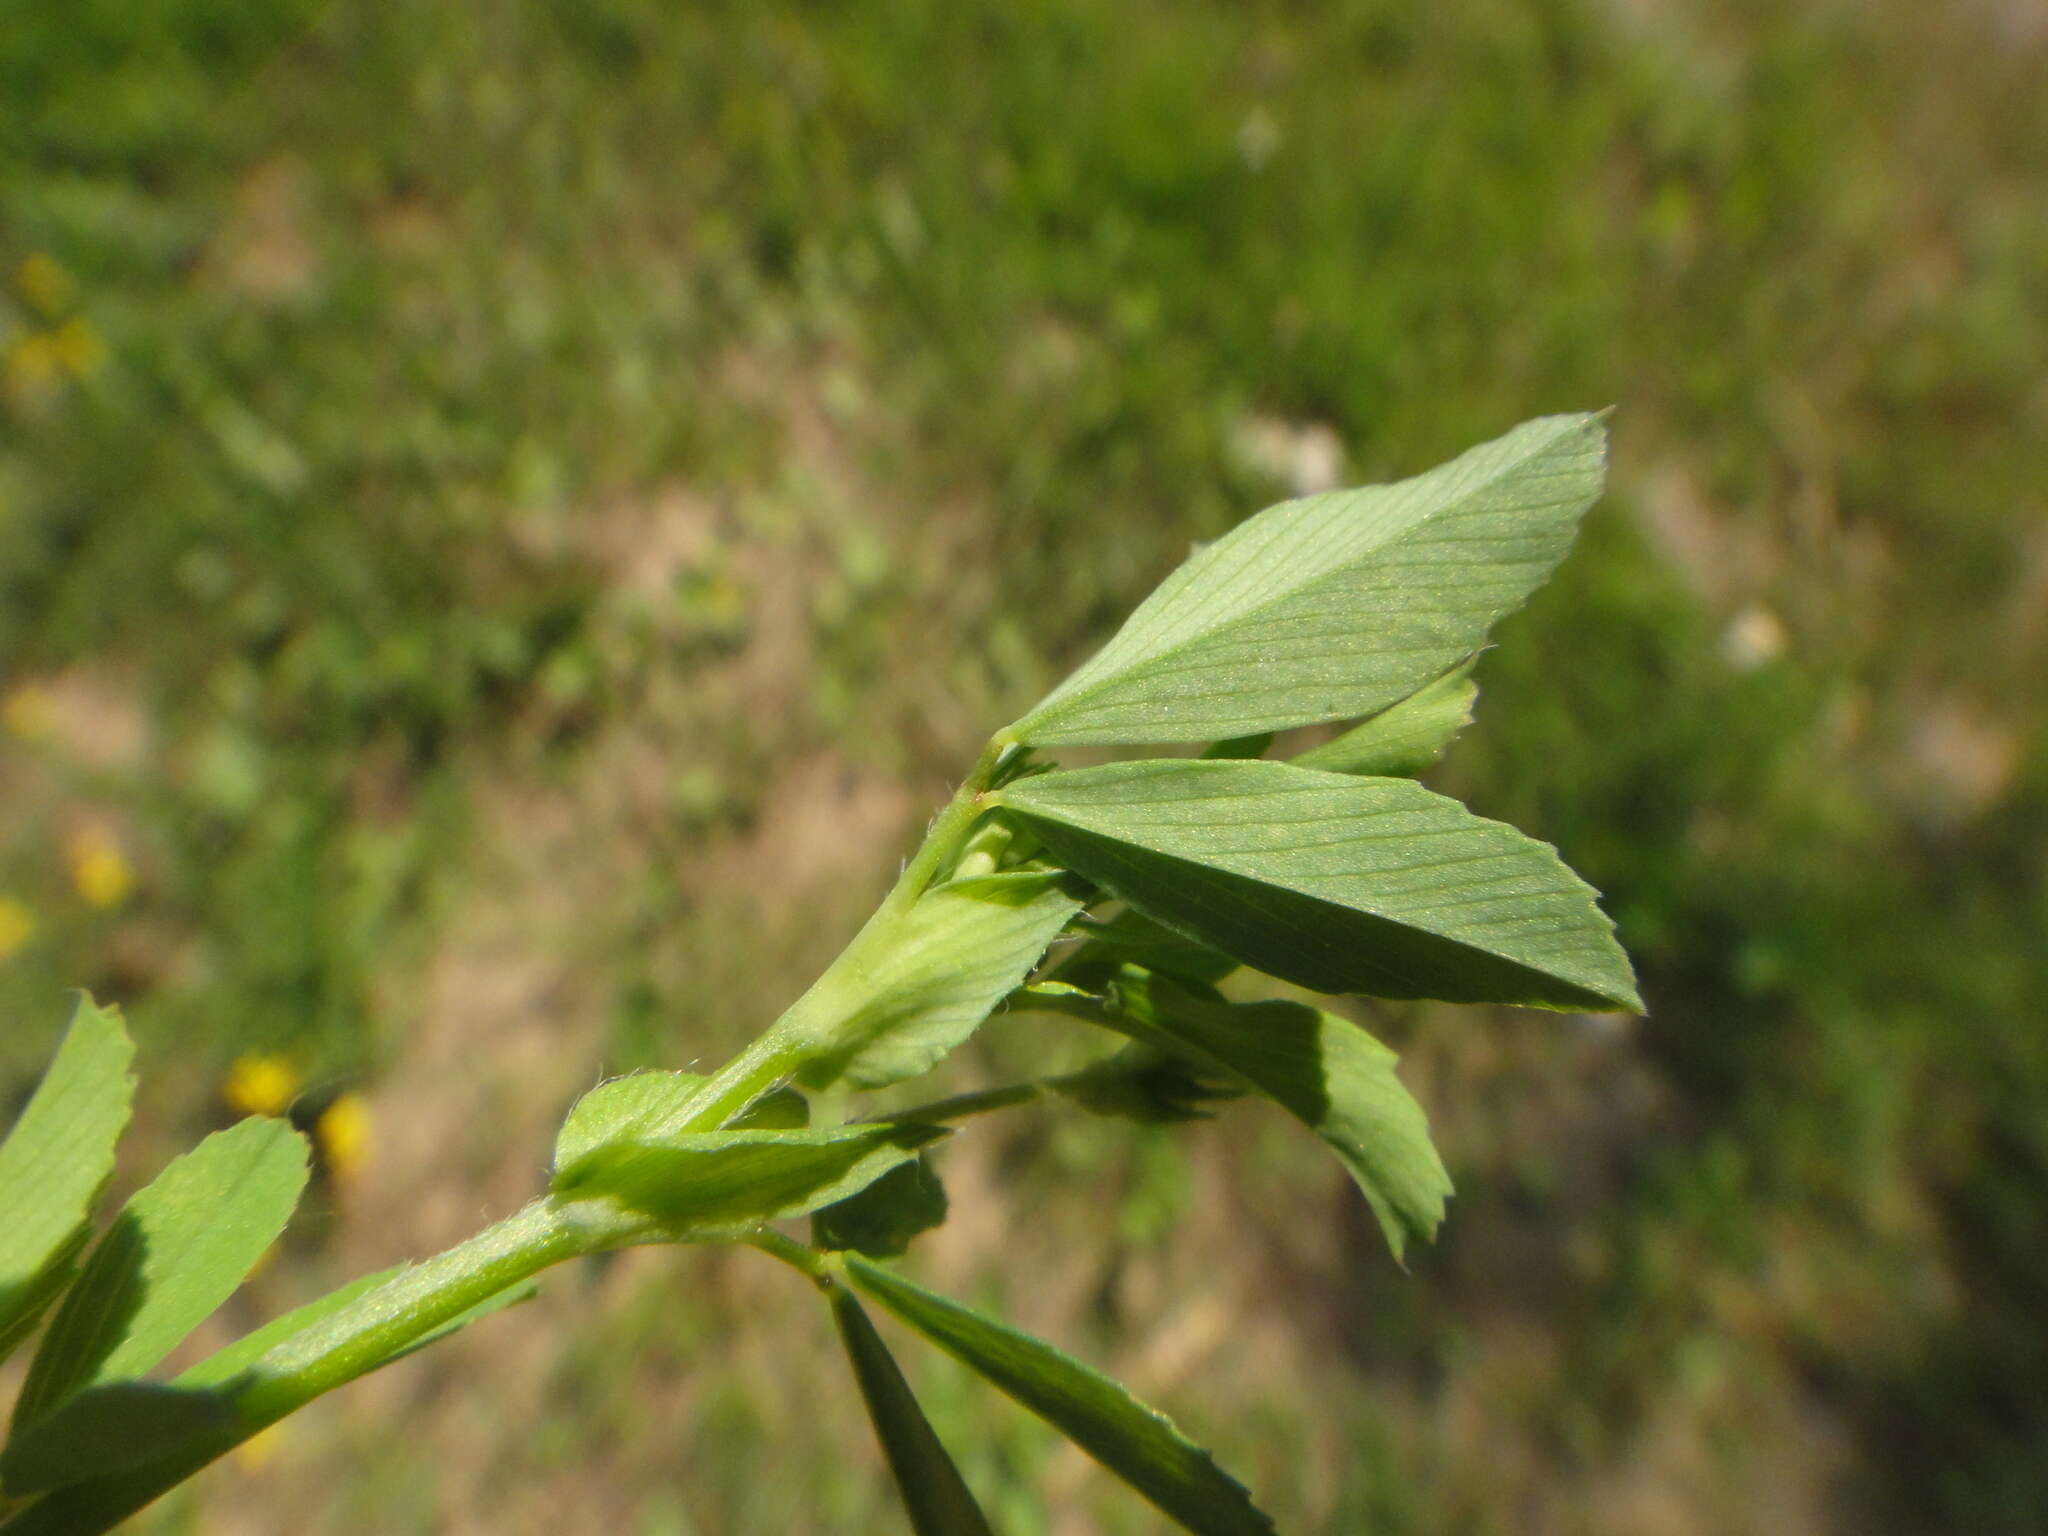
x: 54, y: 1163
x: 711, y: 1184
x: 1335, y: 605
x: 1139, y: 1444
x: 1337, y: 883
x: 1402, y: 741
x: 881, y: 1220
x: 952, y: 957
x: 1326, y: 1072
x: 934, y: 1493
x: 176, y: 1252
x: 633, y: 1107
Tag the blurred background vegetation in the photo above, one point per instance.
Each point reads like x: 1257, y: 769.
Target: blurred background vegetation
x: 510, y: 515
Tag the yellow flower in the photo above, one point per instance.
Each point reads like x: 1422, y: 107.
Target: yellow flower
x: 44, y: 282
x: 34, y: 363
x: 17, y: 925
x: 78, y: 347
x: 343, y: 1132
x: 99, y: 870
x: 28, y: 712
x: 259, y: 1084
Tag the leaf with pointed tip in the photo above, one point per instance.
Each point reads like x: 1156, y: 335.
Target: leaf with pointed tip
x: 1326, y: 1072
x: 952, y: 957
x: 1400, y: 742
x: 1337, y: 883
x: 714, y: 1183
x: 178, y: 1250
x: 881, y: 1220
x: 934, y: 1493
x: 1139, y: 1444
x: 55, y: 1162
x: 1335, y: 605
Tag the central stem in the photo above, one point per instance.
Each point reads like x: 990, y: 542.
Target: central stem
x: 409, y: 1308
x: 368, y: 1332
x: 804, y: 1030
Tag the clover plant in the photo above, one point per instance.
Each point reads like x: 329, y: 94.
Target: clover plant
x: 1126, y: 895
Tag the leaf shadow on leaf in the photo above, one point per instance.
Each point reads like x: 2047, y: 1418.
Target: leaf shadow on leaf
x: 111, y: 1428
x: 64, y: 1360
x: 22, y: 1306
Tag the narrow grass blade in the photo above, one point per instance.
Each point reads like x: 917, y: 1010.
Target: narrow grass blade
x: 934, y: 1493
x: 1139, y: 1444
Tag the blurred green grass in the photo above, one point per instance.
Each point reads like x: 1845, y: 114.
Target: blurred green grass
x: 507, y: 515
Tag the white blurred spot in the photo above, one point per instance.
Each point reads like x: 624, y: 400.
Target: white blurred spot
x: 1753, y: 637
x: 1258, y: 138
x: 1306, y: 457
